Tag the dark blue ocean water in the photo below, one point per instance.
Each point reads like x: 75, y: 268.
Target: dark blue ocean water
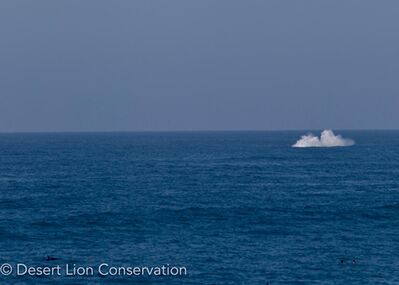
x: 231, y: 207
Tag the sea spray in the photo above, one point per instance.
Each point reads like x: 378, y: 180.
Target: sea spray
x: 327, y: 139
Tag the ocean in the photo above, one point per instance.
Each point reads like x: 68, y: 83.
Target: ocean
x: 227, y: 207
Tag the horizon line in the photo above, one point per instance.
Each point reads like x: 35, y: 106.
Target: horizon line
x: 192, y: 131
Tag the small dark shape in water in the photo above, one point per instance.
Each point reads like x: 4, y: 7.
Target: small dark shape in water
x: 342, y: 261
x: 50, y: 258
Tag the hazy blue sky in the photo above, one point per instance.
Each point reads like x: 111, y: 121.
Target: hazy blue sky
x: 198, y: 65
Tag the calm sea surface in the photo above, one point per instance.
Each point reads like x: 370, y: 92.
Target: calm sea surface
x: 231, y: 207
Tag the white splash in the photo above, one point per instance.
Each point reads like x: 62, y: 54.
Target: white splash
x: 327, y: 139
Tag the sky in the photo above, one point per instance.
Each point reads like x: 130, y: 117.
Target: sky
x: 94, y: 65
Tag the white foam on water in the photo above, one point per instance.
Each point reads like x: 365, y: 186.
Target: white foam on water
x: 327, y: 139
